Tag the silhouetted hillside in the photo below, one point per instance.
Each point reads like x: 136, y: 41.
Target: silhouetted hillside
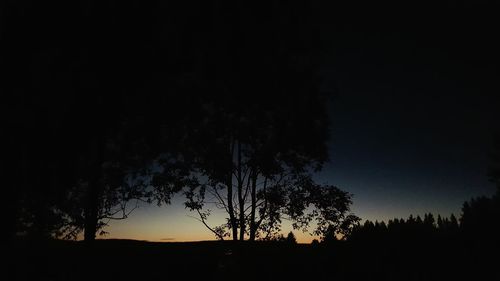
x: 418, y: 258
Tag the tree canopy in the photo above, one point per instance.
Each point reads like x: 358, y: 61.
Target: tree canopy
x: 253, y: 143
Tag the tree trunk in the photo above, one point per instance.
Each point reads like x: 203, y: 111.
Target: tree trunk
x: 94, y: 191
x: 241, y: 200
x: 91, y: 210
x: 232, y: 218
x: 253, y: 226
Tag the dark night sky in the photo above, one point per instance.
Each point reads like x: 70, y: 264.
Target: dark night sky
x: 413, y: 114
x: 413, y: 117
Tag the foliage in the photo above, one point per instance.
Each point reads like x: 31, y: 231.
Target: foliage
x: 253, y: 144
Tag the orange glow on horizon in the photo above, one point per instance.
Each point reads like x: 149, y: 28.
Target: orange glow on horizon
x: 302, y: 238
x: 174, y: 224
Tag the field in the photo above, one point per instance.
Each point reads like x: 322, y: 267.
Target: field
x: 211, y: 260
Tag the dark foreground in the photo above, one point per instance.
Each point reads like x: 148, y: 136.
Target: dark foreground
x: 136, y: 260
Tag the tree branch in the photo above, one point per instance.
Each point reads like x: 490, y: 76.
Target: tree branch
x: 202, y: 220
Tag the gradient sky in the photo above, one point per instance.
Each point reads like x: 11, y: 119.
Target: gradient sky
x: 413, y: 114
x: 398, y: 155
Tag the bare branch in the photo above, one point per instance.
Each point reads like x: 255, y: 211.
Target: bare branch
x: 261, y: 218
x: 202, y: 220
x: 220, y: 198
x: 245, y: 173
x: 247, y: 188
x: 256, y: 205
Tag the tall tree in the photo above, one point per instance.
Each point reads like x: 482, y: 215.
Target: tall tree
x: 254, y: 142
x: 80, y: 120
x: 481, y: 216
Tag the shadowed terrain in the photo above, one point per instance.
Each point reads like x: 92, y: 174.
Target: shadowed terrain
x: 441, y: 259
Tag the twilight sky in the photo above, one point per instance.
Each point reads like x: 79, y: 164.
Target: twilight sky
x: 413, y: 114
x: 409, y: 141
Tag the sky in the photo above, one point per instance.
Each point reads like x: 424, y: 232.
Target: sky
x: 413, y: 112
x: 396, y: 157
x: 399, y: 149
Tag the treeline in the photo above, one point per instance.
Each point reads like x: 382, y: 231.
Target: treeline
x: 412, y: 227
x: 422, y: 248
x: 479, y: 222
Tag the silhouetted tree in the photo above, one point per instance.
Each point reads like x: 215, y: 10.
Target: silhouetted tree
x: 429, y: 220
x: 440, y: 222
x: 419, y: 220
x: 411, y: 220
x: 253, y: 144
x: 290, y: 238
x: 453, y: 222
x: 480, y: 218
x: 81, y: 120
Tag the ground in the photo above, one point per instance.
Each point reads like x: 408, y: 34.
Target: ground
x: 137, y: 260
